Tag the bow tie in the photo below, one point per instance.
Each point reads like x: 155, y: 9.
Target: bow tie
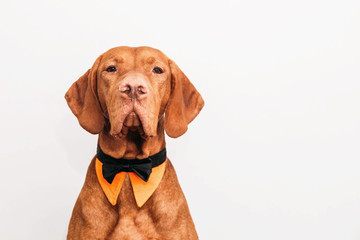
x: 142, y: 167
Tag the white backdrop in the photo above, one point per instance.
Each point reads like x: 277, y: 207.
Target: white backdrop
x: 273, y: 155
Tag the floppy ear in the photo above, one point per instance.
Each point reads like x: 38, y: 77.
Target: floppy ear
x: 84, y: 103
x: 184, y: 103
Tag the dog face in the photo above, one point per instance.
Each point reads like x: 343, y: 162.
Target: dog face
x: 134, y: 86
x: 130, y: 89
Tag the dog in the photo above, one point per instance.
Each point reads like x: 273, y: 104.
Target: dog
x: 130, y: 97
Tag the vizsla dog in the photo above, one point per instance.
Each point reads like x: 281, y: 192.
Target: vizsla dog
x: 129, y: 98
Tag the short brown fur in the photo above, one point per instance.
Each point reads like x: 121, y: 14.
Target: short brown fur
x: 171, y: 103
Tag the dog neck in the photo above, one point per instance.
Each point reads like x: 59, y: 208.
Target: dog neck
x: 132, y: 145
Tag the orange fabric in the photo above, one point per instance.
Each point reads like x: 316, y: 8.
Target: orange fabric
x: 111, y: 190
x: 142, y: 190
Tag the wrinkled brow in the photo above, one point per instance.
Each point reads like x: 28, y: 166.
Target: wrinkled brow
x: 119, y: 59
x: 150, y: 60
x: 114, y: 59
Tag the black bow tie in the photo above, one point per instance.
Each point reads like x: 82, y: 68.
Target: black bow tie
x: 142, y: 167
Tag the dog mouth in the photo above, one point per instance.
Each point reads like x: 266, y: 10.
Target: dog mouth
x: 132, y: 121
x: 131, y: 125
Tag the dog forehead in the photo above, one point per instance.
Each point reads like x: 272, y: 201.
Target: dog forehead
x: 134, y: 55
x: 150, y: 54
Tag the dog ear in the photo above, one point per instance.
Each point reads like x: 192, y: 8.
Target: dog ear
x: 184, y: 104
x: 84, y: 103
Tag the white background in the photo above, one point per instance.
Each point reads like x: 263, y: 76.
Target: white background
x: 273, y: 155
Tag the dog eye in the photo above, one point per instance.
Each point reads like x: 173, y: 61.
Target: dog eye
x: 158, y: 70
x: 111, y: 69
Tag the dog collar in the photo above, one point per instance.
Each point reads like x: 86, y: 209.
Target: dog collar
x: 145, y: 175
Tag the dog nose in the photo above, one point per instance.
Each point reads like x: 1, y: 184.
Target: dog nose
x: 133, y: 87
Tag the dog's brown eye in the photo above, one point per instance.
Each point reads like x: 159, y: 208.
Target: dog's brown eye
x: 111, y: 69
x: 157, y: 70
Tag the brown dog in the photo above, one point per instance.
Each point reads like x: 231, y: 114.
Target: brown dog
x: 129, y: 97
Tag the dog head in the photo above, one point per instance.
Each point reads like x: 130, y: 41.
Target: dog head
x: 131, y: 89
